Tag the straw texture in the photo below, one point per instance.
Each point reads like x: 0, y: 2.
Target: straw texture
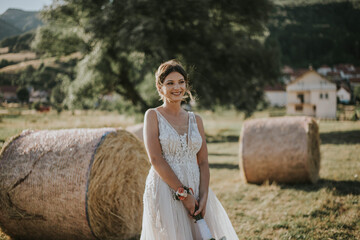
x: 117, y: 184
x: 45, y: 182
x: 282, y: 149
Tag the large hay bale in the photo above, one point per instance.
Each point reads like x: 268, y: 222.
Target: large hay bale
x: 281, y: 149
x: 72, y: 184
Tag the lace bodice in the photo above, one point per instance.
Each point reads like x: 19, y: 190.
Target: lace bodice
x: 176, y: 148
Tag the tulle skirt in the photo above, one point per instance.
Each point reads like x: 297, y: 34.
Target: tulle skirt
x: 165, y: 218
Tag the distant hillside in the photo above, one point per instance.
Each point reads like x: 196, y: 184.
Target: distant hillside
x: 15, y: 21
x: 356, y: 3
x: 316, y: 33
x: 7, y: 29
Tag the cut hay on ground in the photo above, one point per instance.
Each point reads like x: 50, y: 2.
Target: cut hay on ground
x: 72, y: 184
x: 281, y: 149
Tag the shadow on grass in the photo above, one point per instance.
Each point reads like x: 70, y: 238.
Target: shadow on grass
x: 221, y: 138
x: 224, y: 165
x: 339, y: 188
x: 223, y: 154
x: 341, y: 137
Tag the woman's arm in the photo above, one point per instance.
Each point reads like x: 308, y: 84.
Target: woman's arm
x: 153, y: 148
x: 202, y: 157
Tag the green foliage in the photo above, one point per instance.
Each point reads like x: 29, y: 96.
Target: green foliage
x: 317, y: 34
x: 4, y: 63
x: 55, y: 41
x: 37, y: 106
x: 59, y: 92
x: 18, y: 43
x: 219, y: 42
x: 23, y: 94
x: 357, y: 93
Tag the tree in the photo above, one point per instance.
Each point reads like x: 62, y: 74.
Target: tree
x: 220, y: 42
x: 317, y: 34
x: 23, y: 94
x: 357, y: 94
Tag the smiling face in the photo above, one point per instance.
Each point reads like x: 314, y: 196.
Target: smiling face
x: 173, y: 87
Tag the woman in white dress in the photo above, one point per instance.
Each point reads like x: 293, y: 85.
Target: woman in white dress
x: 176, y: 146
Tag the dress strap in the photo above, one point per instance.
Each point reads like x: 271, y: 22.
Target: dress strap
x: 192, y: 117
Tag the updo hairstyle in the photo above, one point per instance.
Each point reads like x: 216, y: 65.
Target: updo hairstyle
x: 164, y: 70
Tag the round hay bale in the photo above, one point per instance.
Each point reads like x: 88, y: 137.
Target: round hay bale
x: 72, y: 184
x: 137, y: 130
x: 281, y: 149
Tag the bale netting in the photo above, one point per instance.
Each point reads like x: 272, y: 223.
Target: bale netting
x: 281, y: 149
x: 72, y: 184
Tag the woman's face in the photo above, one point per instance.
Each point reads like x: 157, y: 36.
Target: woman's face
x: 174, y: 87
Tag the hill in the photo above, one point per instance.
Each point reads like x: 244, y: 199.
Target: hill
x: 15, y: 21
x: 310, y: 2
x: 7, y: 29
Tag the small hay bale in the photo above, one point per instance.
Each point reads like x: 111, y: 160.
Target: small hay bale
x: 281, y: 149
x: 72, y: 184
x: 137, y: 130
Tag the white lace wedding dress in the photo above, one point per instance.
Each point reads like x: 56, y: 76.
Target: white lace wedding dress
x: 165, y: 218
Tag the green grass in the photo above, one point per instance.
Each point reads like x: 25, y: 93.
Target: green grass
x: 328, y: 209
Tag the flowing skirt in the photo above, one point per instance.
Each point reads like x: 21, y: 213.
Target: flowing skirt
x: 165, y: 218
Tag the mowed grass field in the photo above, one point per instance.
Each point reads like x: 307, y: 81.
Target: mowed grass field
x: 329, y: 209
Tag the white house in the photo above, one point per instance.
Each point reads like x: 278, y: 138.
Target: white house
x: 312, y: 95
x: 324, y: 70
x: 344, y: 95
x: 38, y: 96
x: 275, y: 95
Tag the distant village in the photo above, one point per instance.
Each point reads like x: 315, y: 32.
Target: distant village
x: 314, y: 92
x: 301, y: 91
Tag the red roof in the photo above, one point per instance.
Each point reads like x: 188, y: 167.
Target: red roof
x: 344, y: 86
x: 299, y: 72
x: 354, y: 80
x: 8, y: 89
x: 276, y: 87
x: 344, y: 66
x: 333, y: 74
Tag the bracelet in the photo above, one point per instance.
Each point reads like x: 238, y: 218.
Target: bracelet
x: 182, y: 193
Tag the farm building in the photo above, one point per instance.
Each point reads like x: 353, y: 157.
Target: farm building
x: 275, y: 95
x: 324, y: 70
x: 8, y: 93
x: 343, y: 94
x: 311, y: 94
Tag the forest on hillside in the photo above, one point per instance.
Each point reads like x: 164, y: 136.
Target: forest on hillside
x: 316, y: 33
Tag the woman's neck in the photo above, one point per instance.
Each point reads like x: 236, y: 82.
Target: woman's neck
x: 173, y: 108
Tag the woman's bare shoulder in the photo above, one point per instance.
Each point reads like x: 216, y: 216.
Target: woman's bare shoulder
x: 198, y: 118
x: 150, y: 114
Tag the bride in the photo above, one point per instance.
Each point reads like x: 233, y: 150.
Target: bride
x: 178, y: 181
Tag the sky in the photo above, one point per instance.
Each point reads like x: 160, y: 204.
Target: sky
x: 26, y: 5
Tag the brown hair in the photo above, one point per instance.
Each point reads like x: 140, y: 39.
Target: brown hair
x: 165, y: 69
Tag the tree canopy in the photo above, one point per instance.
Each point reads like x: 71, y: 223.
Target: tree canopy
x: 317, y: 34
x: 221, y: 44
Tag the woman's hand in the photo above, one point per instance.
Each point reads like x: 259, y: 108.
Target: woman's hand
x: 190, y: 203
x: 202, y: 207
